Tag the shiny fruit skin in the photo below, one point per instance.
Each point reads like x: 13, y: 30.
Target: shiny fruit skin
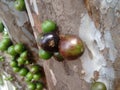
x: 23, y: 71
x: 37, y: 76
x: 35, y: 68
x: 29, y: 76
x: 12, y: 51
x: 31, y: 86
x: 58, y: 57
x: 6, y: 41
x: 24, y: 55
x: 21, y: 61
x: 13, y: 63
x: 48, y: 26
x: 70, y: 47
x: 16, y: 69
x: 44, y: 54
x: 39, y: 86
x: 3, y: 47
x: 19, y: 48
x: 1, y: 27
x: 19, y: 5
x: 49, y: 42
x: 98, y: 86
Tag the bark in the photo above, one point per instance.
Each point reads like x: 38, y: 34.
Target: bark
x: 96, y: 22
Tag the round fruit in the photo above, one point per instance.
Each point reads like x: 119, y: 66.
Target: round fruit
x: 37, y: 76
x: 29, y: 76
x: 35, y: 68
x: 98, y: 86
x: 19, y: 48
x: 3, y: 47
x: 19, y: 5
x: 70, y: 47
x: 48, y: 26
x: 12, y: 51
x: 58, y: 56
x: 31, y: 86
x: 23, y: 71
x: 6, y: 41
x: 49, y: 42
x: 39, y: 86
x: 16, y: 69
x: 13, y: 63
x: 21, y: 61
x: 27, y: 62
x: 24, y: 55
x: 1, y: 27
x: 44, y: 54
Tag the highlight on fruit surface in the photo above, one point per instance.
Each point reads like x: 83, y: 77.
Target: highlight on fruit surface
x: 49, y: 42
x: 70, y: 47
x: 44, y: 54
x: 48, y: 26
x: 98, y: 86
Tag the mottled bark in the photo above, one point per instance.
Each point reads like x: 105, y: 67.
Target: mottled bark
x: 96, y: 22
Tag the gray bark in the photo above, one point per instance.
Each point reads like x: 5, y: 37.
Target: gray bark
x: 96, y: 22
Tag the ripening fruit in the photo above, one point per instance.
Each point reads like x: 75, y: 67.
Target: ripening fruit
x: 70, y: 47
x: 49, y: 42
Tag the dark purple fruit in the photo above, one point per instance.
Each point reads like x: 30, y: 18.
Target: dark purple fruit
x: 70, y: 47
x: 49, y: 42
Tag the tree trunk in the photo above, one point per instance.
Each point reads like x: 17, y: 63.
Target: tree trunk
x: 96, y: 22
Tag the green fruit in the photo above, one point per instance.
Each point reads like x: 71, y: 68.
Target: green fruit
x: 29, y: 76
x: 37, y: 76
x: 31, y: 86
x: 20, y: 5
x: 21, y: 61
x: 3, y: 47
x: 19, y: 48
x: 1, y: 27
x: 13, y: 63
x: 58, y: 56
x: 44, y: 54
x: 27, y: 62
x: 35, y: 68
x: 12, y: 51
x: 2, y: 58
x: 24, y: 55
x: 6, y: 41
x: 23, y: 71
x: 98, y: 86
x: 48, y: 26
x: 16, y: 69
x: 39, y: 86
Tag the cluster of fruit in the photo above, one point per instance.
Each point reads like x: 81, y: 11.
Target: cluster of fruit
x: 67, y: 46
x: 48, y: 41
x: 20, y: 62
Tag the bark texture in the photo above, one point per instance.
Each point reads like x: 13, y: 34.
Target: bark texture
x: 96, y: 22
